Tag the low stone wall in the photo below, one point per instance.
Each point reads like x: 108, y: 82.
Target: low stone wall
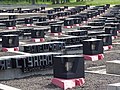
x: 115, y: 86
x: 17, y: 73
x: 113, y: 67
x: 5, y: 87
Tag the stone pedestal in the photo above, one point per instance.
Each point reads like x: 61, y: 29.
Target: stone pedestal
x: 115, y: 86
x: 5, y: 87
x: 113, y: 67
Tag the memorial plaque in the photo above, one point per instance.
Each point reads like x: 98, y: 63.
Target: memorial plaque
x: 51, y: 16
x: 10, y: 23
x: 42, y: 19
x: 12, y: 16
x: 111, y: 30
x: 68, y: 22
x: 107, y: 39
x: 43, y: 47
x: 28, y: 20
x: 10, y: 41
x: 68, y: 67
x: 78, y: 32
x: 92, y: 46
x: 56, y: 29
x: 37, y: 33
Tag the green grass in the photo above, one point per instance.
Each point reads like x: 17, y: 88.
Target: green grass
x: 23, y: 3
x: 72, y: 2
x: 101, y: 2
x: 10, y: 3
x: 92, y: 2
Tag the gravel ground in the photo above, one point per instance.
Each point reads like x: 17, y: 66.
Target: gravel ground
x: 99, y: 82
x: 93, y: 82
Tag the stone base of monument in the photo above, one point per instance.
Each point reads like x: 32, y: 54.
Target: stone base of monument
x: 11, y: 28
x: 61, y: 17
x: 84, y: 22
x: 113, y: 67
x: 10, y: 49
x: 68, y: 83
x: 28, y: 25
x: 55, y: 34
x: 114, y: 37
x: 114, y: 86
x: 51, y: 19
x: 107, y: 47
x: 77, y: 25
x: 67, y: 27
x: 38, y: 39
x: 89, y: 19
x: 93, y: 57
x: 5, y: 87
x: 118, y: 31
x: 17, y: 73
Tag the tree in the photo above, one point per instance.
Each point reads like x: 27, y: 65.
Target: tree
x: 33, y: 2
x: 53, y: 1
x: 57, y: 2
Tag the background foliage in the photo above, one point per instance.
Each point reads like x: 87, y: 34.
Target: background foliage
x: 61, y: 2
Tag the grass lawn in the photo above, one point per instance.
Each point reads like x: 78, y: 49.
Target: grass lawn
x: 90, y: 2
x: 72, y: 2
x: 100, y: 2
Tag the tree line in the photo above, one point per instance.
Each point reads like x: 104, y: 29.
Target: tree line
x: 36, y: 1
